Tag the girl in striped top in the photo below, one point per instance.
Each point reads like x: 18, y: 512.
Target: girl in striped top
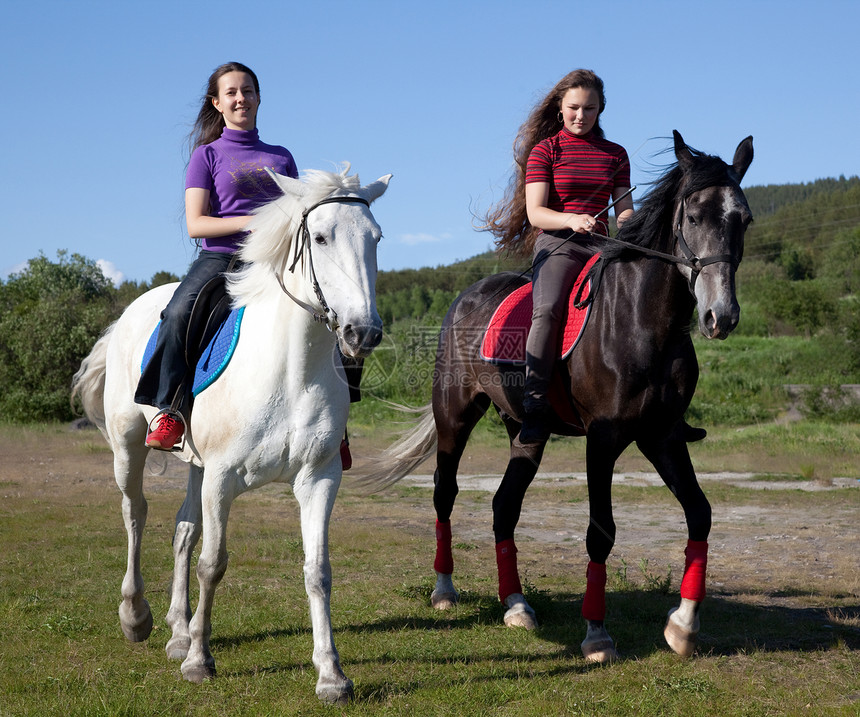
x: 566, y: 173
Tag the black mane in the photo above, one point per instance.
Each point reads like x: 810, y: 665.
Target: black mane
x: 653, y: 219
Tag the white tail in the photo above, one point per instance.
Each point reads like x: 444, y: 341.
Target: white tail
x: 404, y: 456
x: 88, y: 384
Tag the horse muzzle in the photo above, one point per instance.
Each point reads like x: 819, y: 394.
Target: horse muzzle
x: 719, y: 320
x: 359, y: 341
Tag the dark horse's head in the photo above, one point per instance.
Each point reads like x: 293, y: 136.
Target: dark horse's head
x: 699, y: 207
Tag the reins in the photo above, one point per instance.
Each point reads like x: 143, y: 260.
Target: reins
x: 302, y: 247
x: 690, y: 260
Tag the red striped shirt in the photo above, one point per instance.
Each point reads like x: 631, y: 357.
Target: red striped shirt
x: 581, y: 171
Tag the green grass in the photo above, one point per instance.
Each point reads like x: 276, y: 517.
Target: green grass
x: 790, y: 649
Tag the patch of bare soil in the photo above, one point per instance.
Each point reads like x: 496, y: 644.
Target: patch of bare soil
x: 788, y: 541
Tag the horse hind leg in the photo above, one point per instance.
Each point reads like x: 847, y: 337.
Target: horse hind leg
x: 454, y: 425
x: 135, y: 615
x: 189, y: 525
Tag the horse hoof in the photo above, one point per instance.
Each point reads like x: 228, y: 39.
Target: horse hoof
x: 681, y: 639
x: 444, y: 600
x: 444, y: 595
x: 135, y: 629
x: 599, y: 651
x: 520, y: 614
x: 177, y: 648
x: 198, y: 673
x: 336, y: 693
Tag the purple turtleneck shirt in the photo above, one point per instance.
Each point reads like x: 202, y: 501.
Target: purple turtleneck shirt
x: 232, y: 168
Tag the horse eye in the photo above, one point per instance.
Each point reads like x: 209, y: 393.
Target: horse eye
x: 319, y: 239
x: 691, y: 220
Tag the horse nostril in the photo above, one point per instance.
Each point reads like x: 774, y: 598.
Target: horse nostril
x: 365, y: 338
x: 711, y: 322
x: 373, y: 338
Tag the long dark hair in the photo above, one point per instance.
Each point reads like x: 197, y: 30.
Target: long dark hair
x: 210, y: 123
x: 508, y: 220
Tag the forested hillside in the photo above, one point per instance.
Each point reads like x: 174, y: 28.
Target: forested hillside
x: 798, y: 286
x: 801, y: 231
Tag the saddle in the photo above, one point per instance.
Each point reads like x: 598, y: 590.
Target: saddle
x: 212, y: 335
x: 505, y: 338
x: 211, y: 338
x: 504, y: 341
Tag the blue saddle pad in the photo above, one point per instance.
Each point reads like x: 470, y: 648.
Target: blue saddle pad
x: 216, y: 355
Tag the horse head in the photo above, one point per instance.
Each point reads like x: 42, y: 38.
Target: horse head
x: 323, y: 233
x: 710, y: 219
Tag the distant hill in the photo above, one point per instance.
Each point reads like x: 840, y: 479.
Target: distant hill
x: 768, y: 199
x: 801, y: 230
x: 807, y: 219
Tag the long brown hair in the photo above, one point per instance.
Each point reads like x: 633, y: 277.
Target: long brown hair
x: 508, y: 220
x: 210, y: 122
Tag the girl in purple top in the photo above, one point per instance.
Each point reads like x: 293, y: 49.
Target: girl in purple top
x: 225, y: 182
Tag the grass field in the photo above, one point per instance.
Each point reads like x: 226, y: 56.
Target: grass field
x: 780, y: 632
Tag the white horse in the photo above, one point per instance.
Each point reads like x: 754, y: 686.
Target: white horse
x: 277, y: 413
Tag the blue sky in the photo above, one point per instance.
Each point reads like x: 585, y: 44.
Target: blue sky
x: 99, y: 97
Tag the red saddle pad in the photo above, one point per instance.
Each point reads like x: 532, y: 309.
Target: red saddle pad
x: 505, y: 338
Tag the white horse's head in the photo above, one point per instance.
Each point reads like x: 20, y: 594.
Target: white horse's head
x: 322, y: 231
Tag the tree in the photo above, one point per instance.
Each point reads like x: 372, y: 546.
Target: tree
x: 51, y: 314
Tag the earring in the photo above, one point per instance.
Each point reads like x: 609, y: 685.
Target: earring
x: 560, y: 117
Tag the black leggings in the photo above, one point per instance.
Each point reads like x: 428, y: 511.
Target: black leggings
x: 167, y: 369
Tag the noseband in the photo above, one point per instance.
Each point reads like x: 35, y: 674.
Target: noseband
x: 302, y: 247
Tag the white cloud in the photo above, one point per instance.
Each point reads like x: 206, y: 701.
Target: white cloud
x: 110, y: 271
x: 17, y: 269
x: 413, y: 239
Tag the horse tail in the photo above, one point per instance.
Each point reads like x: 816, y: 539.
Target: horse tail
x: 401, y: 458
x: 88, y: 384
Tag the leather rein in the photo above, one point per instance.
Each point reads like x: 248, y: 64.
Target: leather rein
x: 302, y: 248
x: 690, y: 260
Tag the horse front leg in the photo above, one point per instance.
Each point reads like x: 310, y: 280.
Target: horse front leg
x: 199, y: 664
x: 189, y: 526
x: 456, y: 417
x: 507, y: 506
x: 135, y: 616
x: 601, y: 454
x: 672, y: 461
x: 316, y: 500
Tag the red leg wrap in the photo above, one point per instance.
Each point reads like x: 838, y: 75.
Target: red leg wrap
x: 693, y: 584
x: 594, y: 602
x: 509, y: 578
x: 444, y: 562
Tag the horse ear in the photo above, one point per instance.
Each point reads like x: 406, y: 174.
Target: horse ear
x: 288, y: 185
x: 375, y: 190
x: 743, y: 158
x: 682, y: 151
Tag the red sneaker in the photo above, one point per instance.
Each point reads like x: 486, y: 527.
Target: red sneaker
x: 166, y: 434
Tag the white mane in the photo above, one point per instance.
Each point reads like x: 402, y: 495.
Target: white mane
x: 266, y: 251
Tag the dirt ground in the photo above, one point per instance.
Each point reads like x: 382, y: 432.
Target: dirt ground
x: 784, y: 541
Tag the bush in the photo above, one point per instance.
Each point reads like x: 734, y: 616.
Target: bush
x: 52, y: 314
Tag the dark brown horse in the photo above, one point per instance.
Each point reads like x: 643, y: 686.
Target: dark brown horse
x: 630, y: 379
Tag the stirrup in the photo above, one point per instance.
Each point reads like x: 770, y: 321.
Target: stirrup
x: 177, y: 447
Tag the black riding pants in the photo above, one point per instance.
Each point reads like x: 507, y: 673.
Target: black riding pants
x: 167, y: 369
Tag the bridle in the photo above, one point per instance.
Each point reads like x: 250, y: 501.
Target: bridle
x: 695, y: 263
x: 302, y: 248
x: 690, y: 259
